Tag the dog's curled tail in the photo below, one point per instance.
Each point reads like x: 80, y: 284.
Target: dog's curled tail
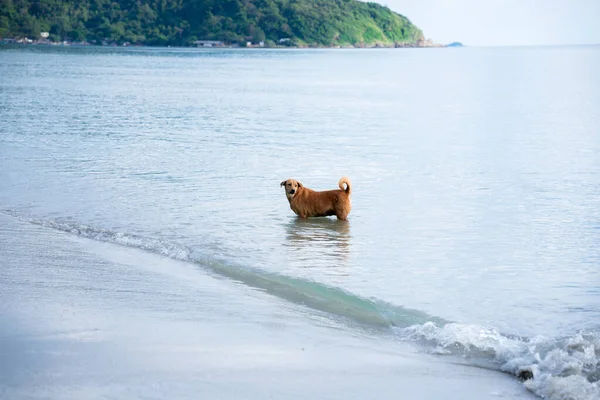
x: 345, y: 180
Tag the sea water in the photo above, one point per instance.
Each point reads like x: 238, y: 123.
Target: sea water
x: 475, y: 184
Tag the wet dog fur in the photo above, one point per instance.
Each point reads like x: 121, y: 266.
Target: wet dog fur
x: 306, y: 202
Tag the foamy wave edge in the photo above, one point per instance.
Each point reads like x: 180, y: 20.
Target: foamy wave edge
x: 557, y: 369
x: 561, y: 369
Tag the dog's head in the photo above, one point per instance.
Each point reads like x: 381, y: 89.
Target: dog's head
x: 291, y: 188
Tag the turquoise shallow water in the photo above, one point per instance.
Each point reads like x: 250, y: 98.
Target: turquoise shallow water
x: 475, y: 177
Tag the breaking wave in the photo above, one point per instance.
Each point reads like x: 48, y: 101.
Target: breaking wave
x: 554, y: 368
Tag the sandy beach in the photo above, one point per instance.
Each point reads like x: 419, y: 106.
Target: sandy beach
x: 87, y: 320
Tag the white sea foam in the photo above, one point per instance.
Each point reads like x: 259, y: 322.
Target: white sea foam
x: 563, y: 369
x: 165, y: 248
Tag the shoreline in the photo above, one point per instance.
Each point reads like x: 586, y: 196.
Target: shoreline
x: 420, y: 43
x: 85, y: 317
x: 376, y: 46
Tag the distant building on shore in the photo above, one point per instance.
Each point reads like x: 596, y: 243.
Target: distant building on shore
x: 208, y: 43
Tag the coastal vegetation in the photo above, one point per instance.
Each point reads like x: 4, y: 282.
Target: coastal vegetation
x: 315, y: 23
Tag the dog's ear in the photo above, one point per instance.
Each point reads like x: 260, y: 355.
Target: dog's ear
x: 282, y: 183
x: 299, y: 184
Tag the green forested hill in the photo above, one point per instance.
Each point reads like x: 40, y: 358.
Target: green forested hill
x: 181, y: 22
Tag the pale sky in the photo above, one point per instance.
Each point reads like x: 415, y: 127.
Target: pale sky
x: 504, y: 22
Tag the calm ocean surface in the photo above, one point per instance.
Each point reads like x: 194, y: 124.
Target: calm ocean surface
x: 475, y: 227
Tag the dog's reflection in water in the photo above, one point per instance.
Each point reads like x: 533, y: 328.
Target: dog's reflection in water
x: 319, y: 241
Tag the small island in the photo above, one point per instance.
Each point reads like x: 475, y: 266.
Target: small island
x: 209, y: 23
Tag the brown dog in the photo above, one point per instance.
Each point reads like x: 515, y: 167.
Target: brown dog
x: 308, y: 203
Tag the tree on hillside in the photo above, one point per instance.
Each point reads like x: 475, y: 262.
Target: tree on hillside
x: 181, y: 22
